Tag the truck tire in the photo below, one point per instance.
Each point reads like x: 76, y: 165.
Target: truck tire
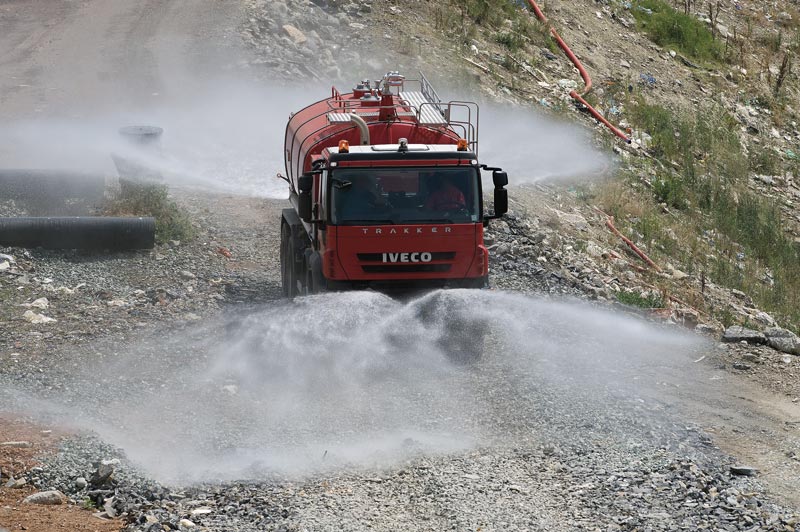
x: 288, y: 268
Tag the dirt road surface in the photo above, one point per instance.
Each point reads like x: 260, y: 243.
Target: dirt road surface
x: 64, y: 58
x: 576, y: 419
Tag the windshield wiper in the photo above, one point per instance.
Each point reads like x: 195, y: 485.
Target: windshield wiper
x: 434, y: 220
x: 341, y: 183
x: 369, y: 222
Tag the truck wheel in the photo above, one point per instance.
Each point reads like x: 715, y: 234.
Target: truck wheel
x: 288, y: 269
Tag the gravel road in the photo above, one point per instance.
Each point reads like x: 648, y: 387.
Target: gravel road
x: 217, y: 406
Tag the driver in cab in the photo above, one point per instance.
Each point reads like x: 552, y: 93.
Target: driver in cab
x: 446, y: 196
x: 363, y: 197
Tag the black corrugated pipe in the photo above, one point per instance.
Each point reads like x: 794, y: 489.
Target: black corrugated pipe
x: 78, y: 232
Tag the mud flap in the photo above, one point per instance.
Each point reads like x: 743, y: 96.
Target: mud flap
x: 294, y: 241
x: 316, y: 282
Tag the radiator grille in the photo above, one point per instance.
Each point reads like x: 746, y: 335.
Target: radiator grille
x: 405, y: 268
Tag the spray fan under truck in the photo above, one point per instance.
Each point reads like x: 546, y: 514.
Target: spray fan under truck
x: 386, y: 192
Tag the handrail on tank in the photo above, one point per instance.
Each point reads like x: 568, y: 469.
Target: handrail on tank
x: 400, y: 111
x: 427, y: 89
x: 335, y: 94
x: 467, y: 126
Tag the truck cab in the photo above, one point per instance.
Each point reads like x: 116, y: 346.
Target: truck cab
x: 389, y: 197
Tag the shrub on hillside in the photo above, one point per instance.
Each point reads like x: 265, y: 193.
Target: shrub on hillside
x: 704, y: 166
x: 668, y: 27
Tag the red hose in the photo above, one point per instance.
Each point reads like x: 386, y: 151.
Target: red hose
x: 575, y: 61
x: 587, y: 80
x: 594, y: 112
x: 642, y: 255
x: 538, y: 11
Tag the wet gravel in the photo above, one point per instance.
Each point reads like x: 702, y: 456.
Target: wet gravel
x: 92, y: 293
x: 560, y: 444
x: 613, y: 483
x: 565, y: 442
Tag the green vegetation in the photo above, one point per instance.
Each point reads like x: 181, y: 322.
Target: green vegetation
x: 772, y: 41
x: 689, y: 204
x: 725, y: 317
x: 702, y: 170
x: 513, y: 26
x: 88, y: 504
x: 795, y: 44
x: 512, y: 41
x: 669, y: 190
x: 764, y: 161
x: 152, y: 199
x: 636, y: 299
x: 668, y: 27
x: 489, y: 12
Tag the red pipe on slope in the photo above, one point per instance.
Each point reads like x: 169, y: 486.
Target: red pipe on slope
x: 587, y: 80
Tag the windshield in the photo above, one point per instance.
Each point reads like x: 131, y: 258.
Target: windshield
x: 361, y: 196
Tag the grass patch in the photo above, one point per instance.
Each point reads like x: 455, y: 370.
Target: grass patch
x: 670, y: 191
x: 756, y: 224
x: 772, y: 41
x: 510, y: 40
x: 764, y: 161
x: 488, y: 12
x: 88, y: 504
x: 693, y: 142
x: 668, y: 27
x: 795, y: 43
x: 637, y: 299
x: 512, y: 24
x: 140, y: 199
x: 704, y: 172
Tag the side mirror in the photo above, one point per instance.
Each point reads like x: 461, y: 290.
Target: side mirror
x: 500, y: 201
x: 305, y: 183
x: 500, y: 179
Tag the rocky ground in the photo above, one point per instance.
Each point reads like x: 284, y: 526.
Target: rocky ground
x: 575, y: 419
x: 636, y: 463
x: 80, y: 295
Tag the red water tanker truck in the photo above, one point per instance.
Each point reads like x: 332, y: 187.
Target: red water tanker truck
x: 385, y: 188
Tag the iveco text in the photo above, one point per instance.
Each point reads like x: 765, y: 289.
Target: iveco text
x: 407, y: 257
